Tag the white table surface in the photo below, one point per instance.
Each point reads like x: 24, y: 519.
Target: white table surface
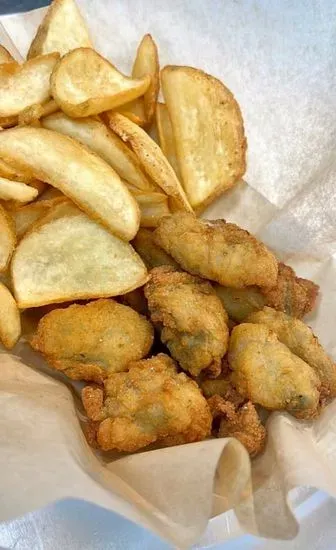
x: 75, y: 525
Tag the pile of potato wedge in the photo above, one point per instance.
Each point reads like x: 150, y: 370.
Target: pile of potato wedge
x: 80, y: 172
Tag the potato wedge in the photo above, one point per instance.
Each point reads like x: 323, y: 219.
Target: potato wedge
x: 166, y: 137
x: 16, y: 191
x: 146, y: 63
x: 26, y: 216
x: 10, y: 323
x: 153, y: 206
x: 105, y: 143
x: 81, y: 175
x: 135, y: 111
x: 84, y: 83
x: 12, y: 173
x: 24, y: 85
x: 5, y: 56
x: 62, y: 29
x: 31, y: 115
x: 66, y: 256
x: 208, y: 131
x: 7, y: 238
x: 151, y: 157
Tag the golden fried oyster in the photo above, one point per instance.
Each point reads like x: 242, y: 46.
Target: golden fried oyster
x: 216, y: 250
x: 151, y: 403
x: 150, y: 252
x: 269, y: 374
x: 300, y: 339
x: 240, y: 302
x: 190, y: 317
x: 87, y: 342
x: 291, y: 294
x: 243, y: 423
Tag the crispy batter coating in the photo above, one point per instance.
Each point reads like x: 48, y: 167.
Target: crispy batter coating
x: 300, y: 339
x: 216, y: 250
x: 149, y: 403
x: 268, y: 373
x: 240, y: 302
x: 243, y: 423
x: 221, y: 387
x: 151, y: 253
x: 190, y: 317
x: 87, y: 342
x: 293, y: 295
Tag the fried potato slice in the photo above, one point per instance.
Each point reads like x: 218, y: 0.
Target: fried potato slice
x: 26, y: 216
x: 300, y: 339
x: 151, y: 157
x: 5, y: 56
x: 62, y: 29
x: 208, y: 130
x: 10, y: 324
x: 84, y: 83
x: 89, y: 342
x: 7, y: 238
x: 135, y: 111
x: 100, y: 139
x: 16, y: 191
x: 146, y: 63
x: 268, y: 373
x: 153, y: 206
x: 151, y: 253
x: 24, y: 85
x: 66, y: 256
x: 12, y: 173
x: 81, y: 175
x: 31, y: 115
x: 216, y: 250
x: 166, y: 137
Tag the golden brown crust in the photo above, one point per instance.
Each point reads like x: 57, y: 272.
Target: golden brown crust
x: 216, y: 125
x: 87, y: 342
x: 151, y: 158
x: 293, y: 295
x: 149, y: 403
x: 242, y: 423
x: 300, y: 339
x: 269, y: 374
x: 216, y: 250
x: 149, y: 251
x: 190, y: 317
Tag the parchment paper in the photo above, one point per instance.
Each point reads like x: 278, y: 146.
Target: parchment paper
x: 279, y: 60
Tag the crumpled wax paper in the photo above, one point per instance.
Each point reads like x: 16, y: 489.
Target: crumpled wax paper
x: 278, y: 58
